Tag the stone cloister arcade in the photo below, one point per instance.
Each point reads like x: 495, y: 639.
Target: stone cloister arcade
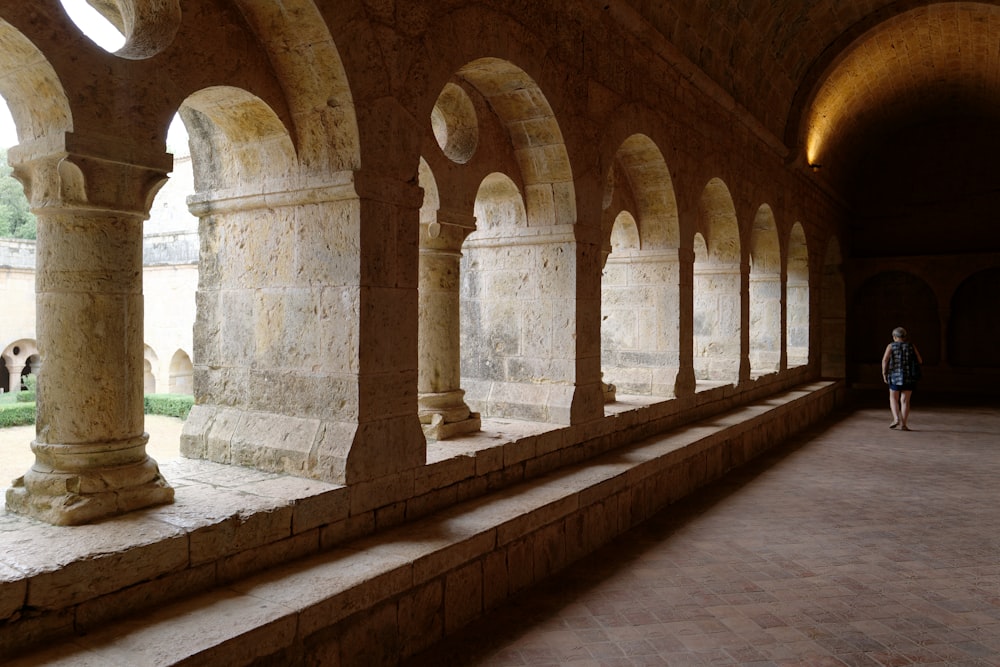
x: 445, y: 250
x: 522, y: 285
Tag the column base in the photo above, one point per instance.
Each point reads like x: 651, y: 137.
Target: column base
x: 609, y: 391
x: 439, y: 429
x: 445, y: 415
x: 73, y: 498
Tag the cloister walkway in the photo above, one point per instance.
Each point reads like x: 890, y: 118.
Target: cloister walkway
x: 851, y: 545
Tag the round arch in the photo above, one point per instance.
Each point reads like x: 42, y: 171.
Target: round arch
x: 717, y: 290
x: 640, y: 293
x: 535, y: 134
x: 237, y: 141
x: 34, y: 93
x: 765, y: 293
x: 797, y: 298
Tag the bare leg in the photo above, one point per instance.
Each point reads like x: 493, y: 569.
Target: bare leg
x: 904, y: 408
x: 894, y: 407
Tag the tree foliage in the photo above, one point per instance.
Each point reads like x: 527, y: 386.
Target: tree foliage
x: 16, y: 219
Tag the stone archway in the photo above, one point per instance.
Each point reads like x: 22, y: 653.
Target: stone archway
x: 765, y: 294
x: 717, y: 290
x: 640, y: 321
x: 797, y: 298
x: 535, y: 243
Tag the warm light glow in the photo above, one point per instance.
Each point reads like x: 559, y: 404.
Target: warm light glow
x: 892, y: 67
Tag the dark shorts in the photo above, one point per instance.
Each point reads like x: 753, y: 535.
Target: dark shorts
x: 903, y: 387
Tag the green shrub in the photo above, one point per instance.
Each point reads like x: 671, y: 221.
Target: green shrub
x: 17, y: 414
x: 171, y: 405
x: 28, y: 395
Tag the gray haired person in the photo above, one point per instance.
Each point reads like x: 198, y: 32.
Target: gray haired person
x: 900, y: 370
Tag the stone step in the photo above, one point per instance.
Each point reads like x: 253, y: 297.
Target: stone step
x: 380, y: 598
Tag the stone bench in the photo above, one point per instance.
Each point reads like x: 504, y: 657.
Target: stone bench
x: 246, y: 564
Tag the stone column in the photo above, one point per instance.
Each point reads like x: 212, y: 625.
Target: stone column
x: 440, y: 398
x: 685, y: 383
x: 14, y: 371
x: 90, y: 446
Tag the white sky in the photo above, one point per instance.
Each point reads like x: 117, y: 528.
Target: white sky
x: 96, y: 27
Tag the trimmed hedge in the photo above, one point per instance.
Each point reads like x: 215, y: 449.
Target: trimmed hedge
x: 15, y: 411
x: 17, y: 414
x: 171, y: 405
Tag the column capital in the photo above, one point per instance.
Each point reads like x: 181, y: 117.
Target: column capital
x: 89, y: 172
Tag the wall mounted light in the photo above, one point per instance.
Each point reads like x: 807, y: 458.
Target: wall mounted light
x: 815, y: 167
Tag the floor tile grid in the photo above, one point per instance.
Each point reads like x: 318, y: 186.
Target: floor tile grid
x: 851, y: 546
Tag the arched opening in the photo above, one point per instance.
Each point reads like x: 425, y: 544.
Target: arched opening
x: 797, y: 298
x: 440, y: 397
x: 640, y: 299
x: 717, y: 291
x: 150, y: 368
x: 972, y: 328
x: 181, y: 373
x: 20, y: 359
x: 765, y: 294
x: 133, y: 29
x: 506, y: 336
x: 455, y: 124
x: 883, y: 302
x: 517, y: 274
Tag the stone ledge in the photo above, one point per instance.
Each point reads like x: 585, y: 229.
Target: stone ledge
x: 229, y: 523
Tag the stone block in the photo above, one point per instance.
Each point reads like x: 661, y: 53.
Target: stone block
x: 344, y: 531
x: 68, y: 568
x: 371, y: 637
x: 421, y: 618
x: 221, y: 627
x: 331, y: 587
x: 520, y: 565
x: 221, y: 522
x: 276, y: 443
x: 95, y: 613
x: 13, y: 591
x: 444, y: 473
x: 495, y: 579
x: 463, y: 596
x: 549, y: 544
x: 254, y: 559
x: 314, y: 503
x: 32, y: 629
x: 369, y: 495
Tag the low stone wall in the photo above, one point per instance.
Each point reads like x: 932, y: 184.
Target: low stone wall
x: 494, y: 520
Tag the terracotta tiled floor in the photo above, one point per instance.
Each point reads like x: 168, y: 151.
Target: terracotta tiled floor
x: 854, y: 545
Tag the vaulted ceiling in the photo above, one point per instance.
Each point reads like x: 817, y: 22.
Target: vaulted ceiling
x: 826, y: 76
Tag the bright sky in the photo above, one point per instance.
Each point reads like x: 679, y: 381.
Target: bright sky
x: 96, y: 27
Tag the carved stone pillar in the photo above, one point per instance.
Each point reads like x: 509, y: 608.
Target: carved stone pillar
x: 14, y: 371
x: 90, y: 446
x: 440, y: 398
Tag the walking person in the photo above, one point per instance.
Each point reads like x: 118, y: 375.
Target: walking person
x: 900, y: 370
